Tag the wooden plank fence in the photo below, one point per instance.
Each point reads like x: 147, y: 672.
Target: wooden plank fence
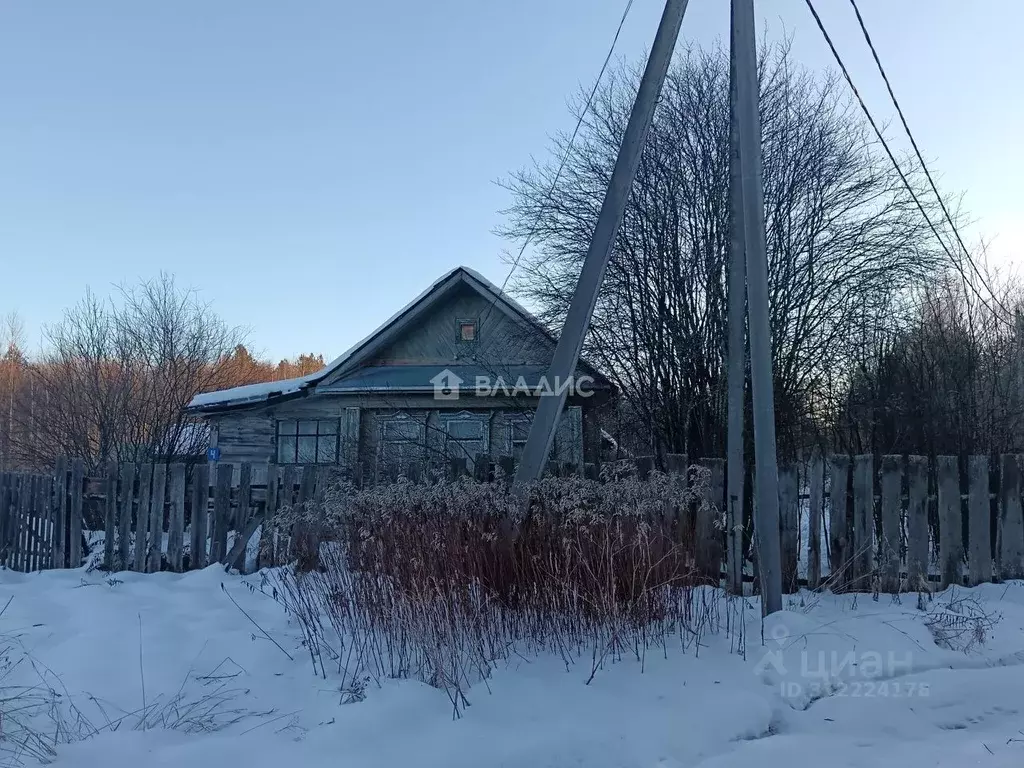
x: 891, y: 523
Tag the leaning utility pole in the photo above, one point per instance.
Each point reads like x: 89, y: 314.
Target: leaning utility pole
x: 737, y: 349
x: 747, y: 135
x: 570, y: 342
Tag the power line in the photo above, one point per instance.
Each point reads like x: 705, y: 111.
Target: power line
x: 888, y: 151
x: 561, y: 165
x: 920, y: 157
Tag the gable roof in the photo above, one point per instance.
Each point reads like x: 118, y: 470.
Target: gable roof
x: 365, y: 349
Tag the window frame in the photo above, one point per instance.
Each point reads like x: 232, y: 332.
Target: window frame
x: 514, y: 419
x: 404, y: 419
x: 320, y: 436
x: 465, y: 417
x: 463, y: 321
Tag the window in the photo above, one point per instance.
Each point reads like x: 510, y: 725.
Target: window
x: 401, y: 440
x: 467, y: 330
x: 465, y: 435
x: 307, y: 441
x: 518, y: 430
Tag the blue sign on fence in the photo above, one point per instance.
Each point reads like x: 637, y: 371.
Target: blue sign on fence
x: 213, y: 454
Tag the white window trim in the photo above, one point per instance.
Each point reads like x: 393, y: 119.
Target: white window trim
x: 464, y: 417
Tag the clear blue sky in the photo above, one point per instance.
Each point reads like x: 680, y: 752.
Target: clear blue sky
x: 311, y: 166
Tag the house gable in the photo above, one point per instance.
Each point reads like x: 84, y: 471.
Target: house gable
x: 415, y: 344
x: 434, y: 337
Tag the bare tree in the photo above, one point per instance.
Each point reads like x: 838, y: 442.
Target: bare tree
x: 945, y: 378
x: 843, y: 239
x: 118, y: 373
x: 12, y: 375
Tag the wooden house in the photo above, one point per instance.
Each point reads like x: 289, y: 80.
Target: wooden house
x: 457, y: 372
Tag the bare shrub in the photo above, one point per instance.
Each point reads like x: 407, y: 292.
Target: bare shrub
x: 439, y: 582
x: 961, y: 622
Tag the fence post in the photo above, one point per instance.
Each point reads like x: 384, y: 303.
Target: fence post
x: 24, y: 502
x: 200, y: 513
x: 863, y: 520
x: 38, y: 527
x: 892, y: 502
x: 125, y: 522
x: 5, y: 504
x: 245, y: 524
x: 142, y: 516
x: 979, y: 521
x: 789, y: 525
x: 917, y: 523
x: 60, y: 512
x: 75, y: 544
x: 156, y: 518
x: 951, y: 541
x: 709, y: 535
x: 677, y: 468
x: 31, y: 541
x: 840, y: 543
x: 176, y: 520
x: 110, y: 516
x: 244, y: 496
x: 284, y: 543
x: 268, y: 532
x: 816, y: 498
x: 1010, y: 532
x: 221, y: 510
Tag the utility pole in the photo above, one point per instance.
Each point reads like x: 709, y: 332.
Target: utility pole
x: 747, y: 133
x: 737, y: 350
x: 570, y: 342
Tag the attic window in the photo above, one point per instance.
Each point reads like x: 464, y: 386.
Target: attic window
x: 467, y: 330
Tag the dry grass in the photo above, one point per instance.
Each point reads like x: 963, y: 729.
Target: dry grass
x: 441, y: 582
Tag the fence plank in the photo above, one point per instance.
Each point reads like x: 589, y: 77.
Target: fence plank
x: 892, y: 508
x: 917, y: 523
x: 708, y: 534
x: 24, y: 496
x: 75, y: 513
x: 60, y: 519
x: 265, y: 557
x: 284, y: 544
x: 110, y: 516
x: 1010, y: 532
x: 951, y: 542
x: 31, y: 548
x: 47, y: 543
x: 26, y: 524
x: 979, y: 521
x: 863, y: 554
x: 241, y: 517
x: 142, y: 516
x: 176, y: 519
x: 303, y: 540
x: 197, y: 557
x: 221, y: 510
x: 839, y: 528
x: 43, y: 545
x: 789, y: 524
x: 816, y: 498
x: 156, y: 518
x: 245, y: 524
x: 124, y: 523
x: 5, y: 505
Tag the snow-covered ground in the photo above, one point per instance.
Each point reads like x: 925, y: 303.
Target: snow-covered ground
x: 136, y: 671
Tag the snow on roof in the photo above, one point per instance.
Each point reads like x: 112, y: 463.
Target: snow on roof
x: 253, y: 393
